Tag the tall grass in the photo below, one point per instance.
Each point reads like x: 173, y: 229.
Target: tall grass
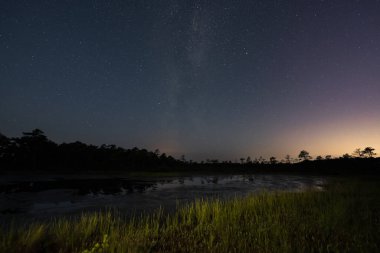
x: 344, y: 218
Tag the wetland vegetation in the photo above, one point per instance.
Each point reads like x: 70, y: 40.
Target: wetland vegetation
x: 343, y: 218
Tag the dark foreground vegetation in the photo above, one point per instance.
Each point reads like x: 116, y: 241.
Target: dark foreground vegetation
x: 343, y: 218
x: 35, y: 152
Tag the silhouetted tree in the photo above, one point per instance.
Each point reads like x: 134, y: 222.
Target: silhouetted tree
x: 319, y: 158
x: 328, y: 157
x: 34, y: 149
x: 249, y: 160
x: 346, y: 156
x: 357, y: 153
x: 36, y: 133
x: 304, y: 155
x: 273, y: 160
x: 4, y: 145
x: 288, y: 159
x: 368, y: 152
x: 261, y: 160
x: 7, y: 150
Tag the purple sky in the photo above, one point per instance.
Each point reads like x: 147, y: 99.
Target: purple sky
x: 208, y: 79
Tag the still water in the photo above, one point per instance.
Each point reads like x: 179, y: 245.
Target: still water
x: 57, y: 196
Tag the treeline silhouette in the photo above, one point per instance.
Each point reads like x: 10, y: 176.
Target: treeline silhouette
x: 33, y: 151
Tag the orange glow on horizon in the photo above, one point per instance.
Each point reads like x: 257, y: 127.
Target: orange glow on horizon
x: 333, y: 138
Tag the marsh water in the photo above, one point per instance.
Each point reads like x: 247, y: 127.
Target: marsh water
x: 52, y: 196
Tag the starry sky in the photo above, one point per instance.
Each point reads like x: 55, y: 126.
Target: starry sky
x: 207, y: 79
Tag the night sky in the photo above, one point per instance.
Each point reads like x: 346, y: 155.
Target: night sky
x: 207, y: 79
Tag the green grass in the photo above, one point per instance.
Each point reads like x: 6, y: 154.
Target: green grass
x: 344, y: 218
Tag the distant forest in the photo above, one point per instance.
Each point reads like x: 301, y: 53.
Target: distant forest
x: 33, y: 151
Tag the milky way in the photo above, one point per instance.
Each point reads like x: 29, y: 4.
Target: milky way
x: 208, y: 79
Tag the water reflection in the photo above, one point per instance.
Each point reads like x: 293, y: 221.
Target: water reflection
x: 46, y: 198
x: 82, y: 186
